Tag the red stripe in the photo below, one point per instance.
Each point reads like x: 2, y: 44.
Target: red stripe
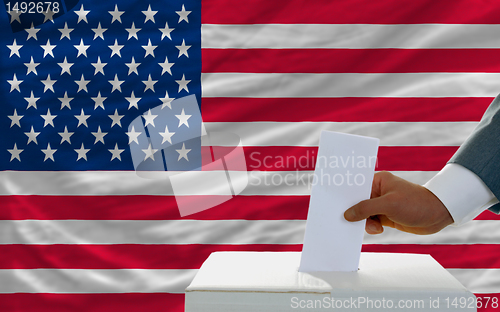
x: 127, y: 302
x: 350, y: 11
x: 130, y: 256
x: 350, y: 60
x: 156, y: 208
x: 343, y: 109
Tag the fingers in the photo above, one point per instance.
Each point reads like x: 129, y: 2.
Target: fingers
x: 366, y: 209
x: 373, y: 226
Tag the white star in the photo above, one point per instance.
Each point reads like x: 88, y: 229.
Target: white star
x: 14, y: 83
x: 65, y: 136
x: 49, y: 15
x: 133, y: 136
x: 32, y: 136
x: 167, y: 136
x: 14, y: 48
x: 99, y: 101
x: 116, y: 119
x: 183, y: 152
x: 82, y: 119
x: 149, y: 118
x: 15, y: 16
x: 150, y: 152
x: 132, y: 67
x: 47, y: 49
x: 165, y: 32
x: 15, y: 152
x: 149, y: 15
x: 116, y: 14
x: 116, y: 83
x: 31, y: 100
x: 82, y: 84
x: 49, y: 84
x: 115, y: 49
x: 183, y: 119
x: 132, y: 32
x: 65, y: 66
x: 31, y: 67
x: 15, y: 119
x: 166, y: 66
x: 49, y: 119
x: 99, y: 32
x: 183, y: 15
x: 82, y: 49
x: 149, y: 84
x: 65, y: 100
x: 149, y: 49
x: 183, y: 84
x: 99, y: 135
x: 133, y: 101
x: 183, y: 49
x: 99, y: 67
x: 32, y: 31
x: 82, y: 14
x: 49, y: 153
x: 82, y: 152
x: 115, y: 153
x: 65, y: 31
x: 166, y: 101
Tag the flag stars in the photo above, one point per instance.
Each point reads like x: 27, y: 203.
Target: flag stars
x: 99, y: 67
x: 15, y: 16
x: 149, y: 15
x: 115, y: 153
x: 149, y: 118
x: 115, y: 49
x: 15, y: 119
x: 14, y: 83
x: 15, y: 153
x: 49, y: 153
x: 133, y: 101
x: 82, y: 119
x: 183, y: 152
x: 65, y: 66
x: 49, y: 84
x: 82, y: 84
x: 183, y: 15
x: 82, y: 152
x: 166, y: 66
x: 132, y: 31
x: 167, y: 136
x: 82, y: 49
x: 47, y: 49
x: 150, y: 152
x: 99, y: 101
x: 149, y: 84
x: 82, y: 14
x: 31, y: 101
x: 149, y: 49
x: 166, y: 101
x: 14, y: 49
x: 31, y: 67
x: 183, y: 84
x: 183, y: 119
x: 116, y: 84
x: 65, y: 136
x: 116, y: 119
x: 32, y: 31
x: 65, y: 31
x: 32, y: 136
x: 183, y: 49
x: 132, y: 67
x: 133, y: 136
x: 99, y: 135
x: 116, y: 15
x: 48, y: 15
x: 48, y: 119
x: 65, y: 101
x: 165, y: 32
x: 99, y: 32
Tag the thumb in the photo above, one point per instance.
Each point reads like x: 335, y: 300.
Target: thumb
x: 366, y: 209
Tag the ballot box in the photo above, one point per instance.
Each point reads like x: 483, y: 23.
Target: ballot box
x: 271, y: 282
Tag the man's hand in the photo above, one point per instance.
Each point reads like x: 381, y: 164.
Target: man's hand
x: 402, y: 205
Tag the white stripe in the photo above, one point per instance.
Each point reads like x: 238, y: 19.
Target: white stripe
x: 350, y: 36
x: 479, y: 281
x: 179, y: 232
x: 94, y: 281
x: 307, y: 133
x: 96, y: 183
x: 306, y: 85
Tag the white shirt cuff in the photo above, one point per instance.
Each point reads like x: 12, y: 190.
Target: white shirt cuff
x: 462, y: 192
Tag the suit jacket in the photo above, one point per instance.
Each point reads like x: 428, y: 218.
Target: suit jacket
x: 480, y: 153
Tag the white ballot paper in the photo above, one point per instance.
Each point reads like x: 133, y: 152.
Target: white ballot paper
x: 343, y: 177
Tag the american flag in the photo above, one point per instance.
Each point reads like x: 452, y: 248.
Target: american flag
x: 80, y: 231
